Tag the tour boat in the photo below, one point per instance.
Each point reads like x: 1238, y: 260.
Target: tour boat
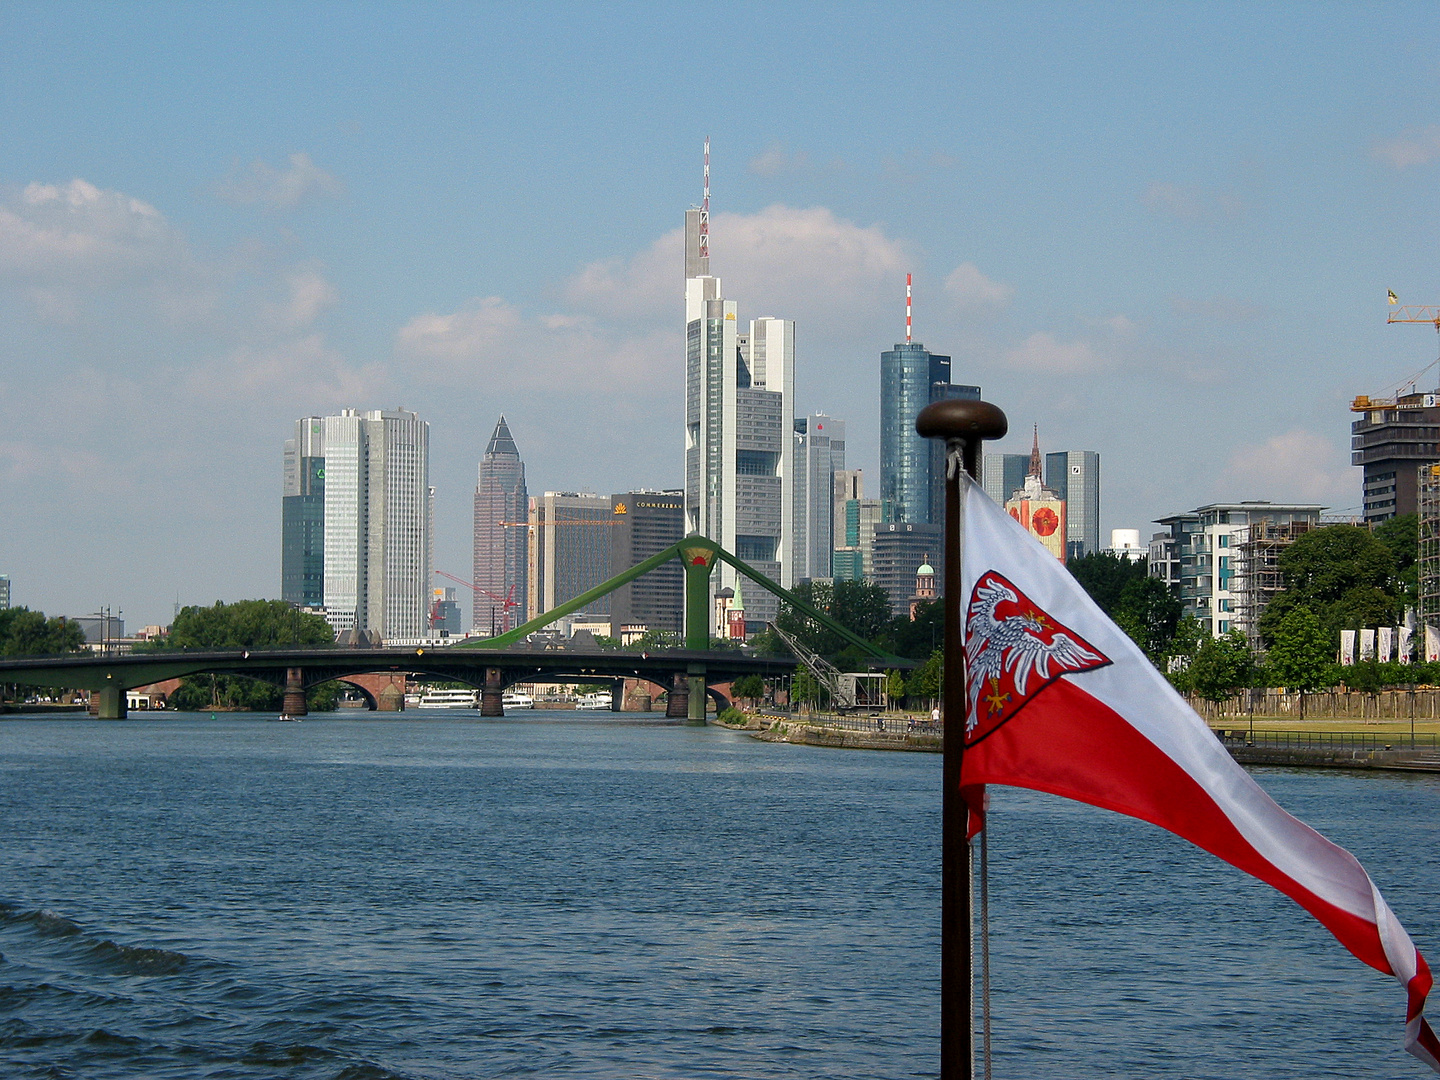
x: 513, y: 699
x: 446, y: 699
x: 600, y: 699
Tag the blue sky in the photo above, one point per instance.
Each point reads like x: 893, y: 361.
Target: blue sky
x: 1161, y: 232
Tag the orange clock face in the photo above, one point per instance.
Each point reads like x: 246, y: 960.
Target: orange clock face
x: 1045, y: 521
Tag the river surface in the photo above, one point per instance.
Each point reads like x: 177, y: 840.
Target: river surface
x: 561, y: 896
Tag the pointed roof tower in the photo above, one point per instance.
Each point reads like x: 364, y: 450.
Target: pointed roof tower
x: 502, y: 442
x: 1035, y: 462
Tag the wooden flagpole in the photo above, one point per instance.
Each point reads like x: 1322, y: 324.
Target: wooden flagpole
x: 964, y: 425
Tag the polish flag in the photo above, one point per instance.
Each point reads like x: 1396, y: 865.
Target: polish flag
x: 1061, y: 700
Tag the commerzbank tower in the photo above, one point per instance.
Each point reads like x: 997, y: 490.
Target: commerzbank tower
x: 739, y: 427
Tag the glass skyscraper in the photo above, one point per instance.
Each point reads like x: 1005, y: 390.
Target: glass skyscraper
x: 302, y: 529
x: 1074, y: 475
x: 356, y: 533
x: 912, y: 469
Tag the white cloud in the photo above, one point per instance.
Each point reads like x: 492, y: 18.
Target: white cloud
x: 491, y: 341
x: 1298, y: 465
x: 303, y: 369
x: 54, y: 231
x: 310, y: 294
x: 279, y: 189
x: 776, y: 160
x: 1418, y: 146
x: 1192, y: 203
x: 781, y: 261
x: 1042, y: 354
x: 967, y: 287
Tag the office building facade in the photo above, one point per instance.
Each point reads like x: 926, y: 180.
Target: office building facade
x: 898, y: 550
x: 1224, y: 559
x: 501, y: 537
x: 1389, y: 443
x: 819, y: 457
x: 1074, y: 475
x: 645, y: 523
x: 377, y: 539
x: 302, y: 524
x: 569, y: 550
x: 739, y: 441
x: 4, y: 592
x: 912, y: 468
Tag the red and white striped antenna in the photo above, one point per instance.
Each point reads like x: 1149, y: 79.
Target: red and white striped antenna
x: 907, y: 309
x: 705, y: 207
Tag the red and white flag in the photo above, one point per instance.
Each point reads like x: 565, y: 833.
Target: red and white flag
x: 1061, y: 700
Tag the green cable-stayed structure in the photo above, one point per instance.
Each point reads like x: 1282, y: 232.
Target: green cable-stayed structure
x: 698, y: 554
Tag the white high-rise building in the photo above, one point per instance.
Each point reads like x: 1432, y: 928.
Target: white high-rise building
x: 819, y: 455
x: 377, y: 522
x: 739, y: 442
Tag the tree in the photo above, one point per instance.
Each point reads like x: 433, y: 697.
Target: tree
x: 29, y: 633
x: 1105, y: 577
x: 1342, y: 573
x: 1402, y: 536
x: 1222, y: 666
x: 246, y: 624
x: 928, y: 680
x: 1149, y: 612
x: 748, y: 688
x: 861, y: 607
x: 1301, y: 651
x: 918, y: 638
x: 894, y: 685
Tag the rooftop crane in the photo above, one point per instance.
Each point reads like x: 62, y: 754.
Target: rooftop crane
x: 1400, y: 313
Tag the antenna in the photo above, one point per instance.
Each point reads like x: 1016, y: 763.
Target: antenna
x: 705, y: 207
x: 907, y: 309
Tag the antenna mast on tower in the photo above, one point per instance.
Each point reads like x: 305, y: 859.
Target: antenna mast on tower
x: 907, y: 309
x: 705, y: 207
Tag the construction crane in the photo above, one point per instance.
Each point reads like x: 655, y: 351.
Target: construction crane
x: 506, y: 602
x: 826, y: 673
x: 1400, y: 313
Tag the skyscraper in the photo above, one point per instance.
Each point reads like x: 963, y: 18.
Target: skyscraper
x: 570, y: 550
x: 502, y: 509
x: 302, y: 522
x: 912, y: 469
x: 646, y: 523
x: 376, y: 498
x: 819, y: 455
x: 1003, y: 474
x: 1074, y: 475
x: 739, y: 443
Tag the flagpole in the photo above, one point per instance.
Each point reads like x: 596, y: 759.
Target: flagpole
x: 964, y: 425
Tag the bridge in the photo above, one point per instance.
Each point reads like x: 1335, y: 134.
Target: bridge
x: 689, y: 674
x: 297, y: 670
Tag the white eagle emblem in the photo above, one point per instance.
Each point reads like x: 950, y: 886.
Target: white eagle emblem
x: 1013, y: 650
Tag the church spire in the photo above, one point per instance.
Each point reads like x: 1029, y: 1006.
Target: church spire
x: 1035, y: 455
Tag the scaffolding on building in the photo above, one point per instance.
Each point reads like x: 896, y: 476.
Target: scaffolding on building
x: 1428, y: 505
x: 1257, y: 570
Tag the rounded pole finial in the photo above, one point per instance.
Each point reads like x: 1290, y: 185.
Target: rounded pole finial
x: 959, y: 418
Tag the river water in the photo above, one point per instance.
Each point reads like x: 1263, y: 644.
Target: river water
x: 553, y: 895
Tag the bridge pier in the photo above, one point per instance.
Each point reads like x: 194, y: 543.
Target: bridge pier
x: 293, y: 703
x: 109, y: 701
x: 695, y: 710
x: 492, y: 699
x: 676, y: 707
x: 617, y: 696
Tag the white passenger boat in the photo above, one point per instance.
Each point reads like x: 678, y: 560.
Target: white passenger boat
x: 594, y: 702
x: 447, y: 699
x: 513, y: 699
